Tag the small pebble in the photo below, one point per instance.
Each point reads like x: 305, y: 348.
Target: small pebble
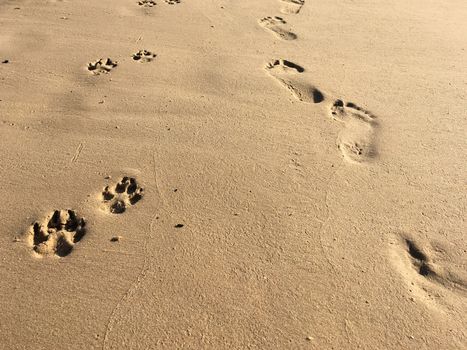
x: 5, y: 61
x: 309, y: 338
x: 179, y: 226
x: 116, y: 239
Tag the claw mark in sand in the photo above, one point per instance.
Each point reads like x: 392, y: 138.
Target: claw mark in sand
x: 77, y: 153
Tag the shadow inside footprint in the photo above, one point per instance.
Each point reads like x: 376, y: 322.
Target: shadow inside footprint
x: 317, y: 95
x: 419, y: 259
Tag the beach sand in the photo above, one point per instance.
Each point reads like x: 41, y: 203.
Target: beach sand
x: 220, y: 174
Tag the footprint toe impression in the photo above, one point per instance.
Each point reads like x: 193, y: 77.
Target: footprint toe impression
x: 275, y: 25
x: 123, y: 195
x: 57, y: 234
x: 289, y: 75
x: 345, y: 111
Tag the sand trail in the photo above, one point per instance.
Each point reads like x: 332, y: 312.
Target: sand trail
x: 180, y: 174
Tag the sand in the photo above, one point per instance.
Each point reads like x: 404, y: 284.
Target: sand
x: 220, y: 174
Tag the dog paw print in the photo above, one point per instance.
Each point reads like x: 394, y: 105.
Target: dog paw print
x: 146, y: 3
x: 123, y: 195
x: 102, y: 66
x: 143, y: 56
x: 57, y: 234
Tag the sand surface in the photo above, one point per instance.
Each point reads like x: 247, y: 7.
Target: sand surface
x: 233, y: 174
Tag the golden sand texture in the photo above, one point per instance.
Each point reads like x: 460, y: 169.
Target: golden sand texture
x: 220, y: 174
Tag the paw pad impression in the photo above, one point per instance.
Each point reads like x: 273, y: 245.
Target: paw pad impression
x: 102, y: 66
x: 124, y: 194
x: 143, y: 56
x: 147, y: 3
x: 57, y: 234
